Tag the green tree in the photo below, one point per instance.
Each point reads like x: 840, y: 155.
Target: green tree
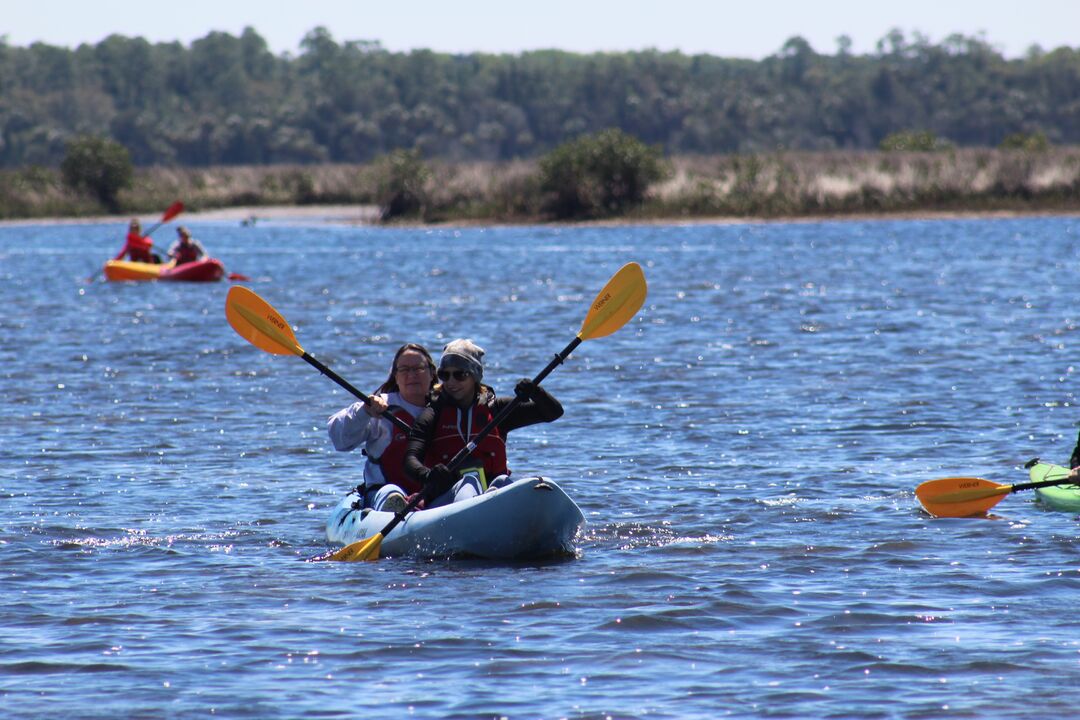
x: 227, y: 99
x: 401, y: 178
x: 599, y: 175
x: 1033, y: 142
x: 99, y: 167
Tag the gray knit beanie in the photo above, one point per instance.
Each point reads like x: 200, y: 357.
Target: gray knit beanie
x: 464, y: 355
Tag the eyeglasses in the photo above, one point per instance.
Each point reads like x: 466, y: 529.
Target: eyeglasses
x: 411, y: 369
x: 458, y: 375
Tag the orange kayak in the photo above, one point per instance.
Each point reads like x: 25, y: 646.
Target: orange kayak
x: 204, y: 270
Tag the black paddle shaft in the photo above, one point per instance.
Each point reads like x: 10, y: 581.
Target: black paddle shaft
x: 394, y: 419
x: 1044, y: 483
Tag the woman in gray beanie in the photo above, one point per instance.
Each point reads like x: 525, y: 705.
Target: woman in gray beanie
x: 463, y: 407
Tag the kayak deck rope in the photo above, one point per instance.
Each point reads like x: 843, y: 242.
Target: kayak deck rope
x: 357, y: 504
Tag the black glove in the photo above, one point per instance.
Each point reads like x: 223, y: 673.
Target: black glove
x: 439, y: 480
x: 525, y: 389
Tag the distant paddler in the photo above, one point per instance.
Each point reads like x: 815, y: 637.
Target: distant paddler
x: 137, y: 247
x: 186, y: 249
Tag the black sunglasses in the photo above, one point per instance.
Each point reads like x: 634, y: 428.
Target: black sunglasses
x: 458, y: 375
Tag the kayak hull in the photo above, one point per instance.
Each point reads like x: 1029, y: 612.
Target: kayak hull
x: 204, y: 270
x: 530, y: 518
x: 127, y: 270
x: 1058, y: 497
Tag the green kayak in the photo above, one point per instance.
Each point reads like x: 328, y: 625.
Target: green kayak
x: 1059, y: 497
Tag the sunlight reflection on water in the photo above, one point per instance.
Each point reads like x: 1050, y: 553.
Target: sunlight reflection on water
x: 745, y: 452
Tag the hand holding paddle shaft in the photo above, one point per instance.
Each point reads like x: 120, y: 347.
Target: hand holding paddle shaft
x: 260, y: 324
x: 616, y: 304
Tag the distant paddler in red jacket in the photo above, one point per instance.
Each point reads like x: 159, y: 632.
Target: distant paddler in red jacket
x: 137, y: 247
x: 186, y: 248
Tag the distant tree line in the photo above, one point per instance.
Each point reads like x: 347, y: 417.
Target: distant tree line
x: 227, y: 100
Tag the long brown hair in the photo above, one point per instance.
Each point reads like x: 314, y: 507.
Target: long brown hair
x: 391, y: 382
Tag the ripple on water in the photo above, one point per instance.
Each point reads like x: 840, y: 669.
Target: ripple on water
x: 745, y: 452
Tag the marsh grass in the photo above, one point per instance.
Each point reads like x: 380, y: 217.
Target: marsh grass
x: 800, y: 184
x: 785, y: 184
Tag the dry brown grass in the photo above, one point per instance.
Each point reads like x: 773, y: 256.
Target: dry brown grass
x: 839, y: 182
x: 761, y: 185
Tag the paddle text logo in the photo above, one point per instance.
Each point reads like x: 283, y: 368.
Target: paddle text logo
x: 276, y: 321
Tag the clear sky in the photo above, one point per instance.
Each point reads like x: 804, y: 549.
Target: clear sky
x: 727, y: 28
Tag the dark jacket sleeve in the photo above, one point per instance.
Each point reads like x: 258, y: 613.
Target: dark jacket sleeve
x: 542, y: 407
x: 419, y: 437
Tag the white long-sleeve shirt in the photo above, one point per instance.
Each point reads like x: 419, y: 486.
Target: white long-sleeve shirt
x: 351, y: 427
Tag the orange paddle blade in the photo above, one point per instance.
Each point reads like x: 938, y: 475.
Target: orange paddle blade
x: 616, y: 304
x: 359, y: 550
x: 960, y: 496
x: 259, y: 323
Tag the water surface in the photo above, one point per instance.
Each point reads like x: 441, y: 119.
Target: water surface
x: 745, y: 451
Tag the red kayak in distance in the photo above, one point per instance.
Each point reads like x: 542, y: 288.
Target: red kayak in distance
x: 202, y: 270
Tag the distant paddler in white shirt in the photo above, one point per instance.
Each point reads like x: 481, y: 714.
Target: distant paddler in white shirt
x: 186, y: 249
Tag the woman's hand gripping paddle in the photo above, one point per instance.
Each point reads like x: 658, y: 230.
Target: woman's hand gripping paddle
x: 964, y: 496
x: 260, y: 324
x: 616, y: 304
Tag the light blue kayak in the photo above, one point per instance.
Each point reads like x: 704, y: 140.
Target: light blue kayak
x: 529, y: 518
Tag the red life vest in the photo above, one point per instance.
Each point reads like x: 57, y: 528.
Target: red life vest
x: 392, y: 460
x: 138, y: 248
x: 447, y: 440
x: 186, y: 253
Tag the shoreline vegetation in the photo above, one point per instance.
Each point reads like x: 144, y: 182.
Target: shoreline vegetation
x: 777, y: 185
x: 128, y: 127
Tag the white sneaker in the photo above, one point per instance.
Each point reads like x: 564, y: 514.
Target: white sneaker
x: 395, y: 503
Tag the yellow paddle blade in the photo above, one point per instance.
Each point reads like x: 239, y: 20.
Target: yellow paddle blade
x: 619, y: 301
x: 359, y: 550
x: 259, y: 323
x: 960, y: 496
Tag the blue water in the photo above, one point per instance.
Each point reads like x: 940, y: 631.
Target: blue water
x: 745, y: 451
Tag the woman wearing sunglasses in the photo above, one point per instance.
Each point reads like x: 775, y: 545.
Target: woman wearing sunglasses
x: 404, y: 394
x: 463, y: 407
